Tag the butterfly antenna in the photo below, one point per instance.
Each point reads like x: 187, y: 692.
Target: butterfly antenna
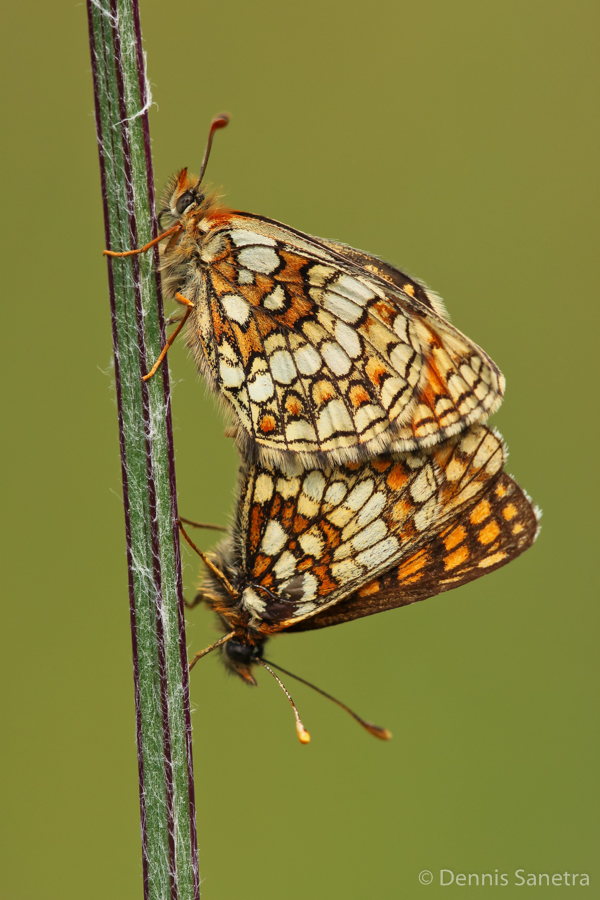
x: 382, y: 733
x: 195, y: 524
x: 218, y: 122
x: 303, y: 734
x: 201, y: 653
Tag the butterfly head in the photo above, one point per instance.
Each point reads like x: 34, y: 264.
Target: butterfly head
x: 184, y: 194
x: 240, y: 654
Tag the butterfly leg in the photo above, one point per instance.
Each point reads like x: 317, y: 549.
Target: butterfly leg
x: 146, y: 247
x: 210, y: 565
x: 181, y: 299
x: 223, y: 640
x: 194, y: 603
x: 198, y: 598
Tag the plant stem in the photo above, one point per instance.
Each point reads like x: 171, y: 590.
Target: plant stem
x: 169, y: 846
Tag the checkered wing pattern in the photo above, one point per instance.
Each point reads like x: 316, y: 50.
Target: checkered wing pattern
x: 480, y: 539
x: 320, y: 350
x: 312, y: 541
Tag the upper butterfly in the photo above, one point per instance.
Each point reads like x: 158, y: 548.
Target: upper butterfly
x: 321, y: 351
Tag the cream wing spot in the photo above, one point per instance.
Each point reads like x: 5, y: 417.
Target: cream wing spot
x: 367, y: 415
x: 457, y: 385
x: 242, y: 238
x: 300, y: 430
x: 401, y: 357
x: 467, y: 404
x: 401, y: 328
x: 341, y: 308
x: 312, y: 543
x: 307, y: 507
x: 468, y: 374
x: 313, y: 331
x: 336, y: 493
x: 245, y: 277
x: 236, y: 308
x: 346, y: 571
x: 481, y: 391
x: 259, y: 259
x: 472, y: 489
x: 334, y: 418
x: 375, y: 556
x: 424, y: 427
x: 275, y: 301
x: 336, y: 359
x: 392, y: 387
x: 470, y: 441
x: 274, y: 538
x: 282, y: 367
x: 426, y: 516
x: 274, y: 342
x: 443, y: 362
x: 304, y: 609
x: 343, y: 551
x: 371, y: 509
x: 307, y: 360
x: 263, y: 489
x: 488, y: 452
x: 424, y: 485
x: 340, y: 516
x: 353, y: 290
x: 261, y: 388
x: 359, y: 495
x: 285, y: 567
x: 490, y: 378
x: 318, y: 275
x: 314, y: 485
x: 231, y: 376
x: 443, y: 405
x: 372, y: 534
x: 455, y: 469
x: 288, y: 487
x: 348, y: 339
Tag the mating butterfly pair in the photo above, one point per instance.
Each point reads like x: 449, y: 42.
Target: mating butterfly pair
x: 369, y: 479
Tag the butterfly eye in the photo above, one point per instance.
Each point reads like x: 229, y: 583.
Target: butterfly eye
x: 184, y: 201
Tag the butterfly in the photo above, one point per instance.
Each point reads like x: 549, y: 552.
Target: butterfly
x: 322, y: 353
x: 315, y: 547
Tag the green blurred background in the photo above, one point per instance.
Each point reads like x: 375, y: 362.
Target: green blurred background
x: 459, y: 140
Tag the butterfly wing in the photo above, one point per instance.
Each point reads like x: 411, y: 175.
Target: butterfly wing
x: 500, y: 526
x: 327, y: 352
x: 307, y: 540
x: 406, y: 284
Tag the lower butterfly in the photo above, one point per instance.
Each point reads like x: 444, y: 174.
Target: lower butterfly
x: 310, y: 548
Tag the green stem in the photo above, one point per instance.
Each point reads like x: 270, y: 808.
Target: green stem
x: 169, y: 849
